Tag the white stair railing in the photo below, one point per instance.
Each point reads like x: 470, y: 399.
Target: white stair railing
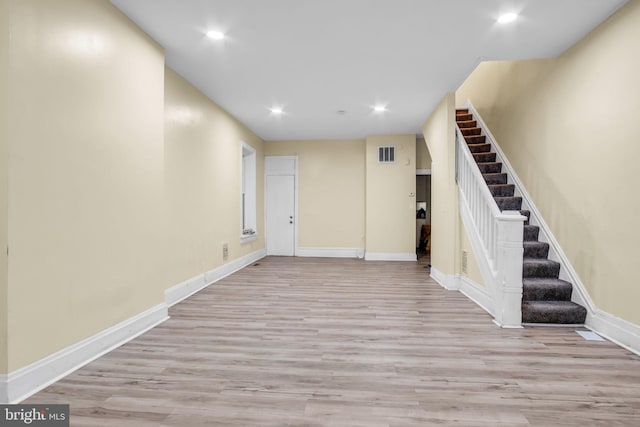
x: 496, y: 238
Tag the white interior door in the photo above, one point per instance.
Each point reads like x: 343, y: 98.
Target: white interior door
x: 280, y: 211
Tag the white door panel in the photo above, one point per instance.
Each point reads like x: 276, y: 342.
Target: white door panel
x: 280, y: 211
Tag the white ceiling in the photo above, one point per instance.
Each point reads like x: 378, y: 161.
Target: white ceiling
x: 315, y: 57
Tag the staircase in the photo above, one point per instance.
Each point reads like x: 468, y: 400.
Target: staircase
x: 545, y: 297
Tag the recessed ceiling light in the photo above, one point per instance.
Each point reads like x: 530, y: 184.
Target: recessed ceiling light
x: 276, y: 110
x: 380, y: 108
x: 215, y: 35
x: 507, y: 17
x: 341, y: 112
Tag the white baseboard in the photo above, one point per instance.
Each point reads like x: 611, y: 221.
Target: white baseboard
x: 447, y: 281
x: 22, y: 383
x: 615, y: 329
x: 475, y: 292
x: 183, y: 290
x: 382, y: 256
x: 330, y: 252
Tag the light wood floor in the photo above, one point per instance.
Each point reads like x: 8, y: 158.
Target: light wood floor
x: 326, y: 342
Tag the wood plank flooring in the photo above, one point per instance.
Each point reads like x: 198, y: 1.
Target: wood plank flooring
x: 341, y: 342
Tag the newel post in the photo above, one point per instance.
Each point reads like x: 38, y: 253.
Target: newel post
x: 508, y: 289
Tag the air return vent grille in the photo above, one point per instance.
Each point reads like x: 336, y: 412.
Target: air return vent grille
x: 387, y: 154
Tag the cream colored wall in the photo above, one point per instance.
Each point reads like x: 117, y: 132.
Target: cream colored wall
x: 86, y: 174
x: 439, y: 135
x: 203, y: 178
x: 569, y: 128
x: 449, y: 236
x: 473, y: 270
x: 4, y: 83
x: 423, y: 158
x: 390, y: 196
x: 331, y: 191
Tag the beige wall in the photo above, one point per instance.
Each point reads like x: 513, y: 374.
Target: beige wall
x: 104, y: 212
x: 449, y: 236
x: 203, y: 177
x: 464, y: 245
x: 439, y: 135
x: 390, y: 196
x: 423, y: 158
x: 86, y: 167
x: 569, y: 128
x: 4, y: 86
x: 332, y: 191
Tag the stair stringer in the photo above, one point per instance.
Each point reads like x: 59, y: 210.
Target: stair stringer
x: 567, y: 272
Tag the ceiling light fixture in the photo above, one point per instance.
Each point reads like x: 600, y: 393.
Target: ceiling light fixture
x: 507, y: 17
x: 276, y: 110
x: 380, y: 108
x: 215, y: 35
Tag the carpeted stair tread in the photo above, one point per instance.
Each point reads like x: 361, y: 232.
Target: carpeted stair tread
x: 471, y: 131
x: 484, y: 157
x: 462, y: 110
x: 537, y: 267
x: 526, y: 213
x: 479, y: 148
x: 536, y: 249
x: 490, y: 167
x: 502, y: 190
x: 509, y: 203
x: 531, y: 233
x: 475, y: 139
x: 467, y: 124
x: 495, y: 178
x: 560, y: 312
x: 546, y: 289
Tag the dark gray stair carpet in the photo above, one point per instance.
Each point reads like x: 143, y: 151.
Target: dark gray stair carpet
x: 509, y: 203
x: 490, y: 167
x: 558, y: 312
x: 495, y: 178
x: 531, y: 233
x: 502, y: 190
x: 546, y: 289
x: 536, y: 249
x: 484, y: 157
x: 545, y: 297
x: 539, y: 267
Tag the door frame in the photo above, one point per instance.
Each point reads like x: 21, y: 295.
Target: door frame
x: 288, y: 166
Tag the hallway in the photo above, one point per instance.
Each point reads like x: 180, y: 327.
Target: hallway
x: 344, y: 342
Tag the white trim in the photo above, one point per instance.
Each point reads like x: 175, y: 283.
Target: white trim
x: 248, y: 238
x: 423, y: 171
x: 22, y: 383
x: 330, y: 252
x: 391, y: 256
x: 472, y: 290
x: 615, y: 329
x: 179, y: 292
x: 476, y: 293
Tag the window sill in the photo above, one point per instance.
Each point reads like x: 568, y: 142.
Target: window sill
x: 248, y: 238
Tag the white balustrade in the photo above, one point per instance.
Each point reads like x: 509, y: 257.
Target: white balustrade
x: 498, y: 234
